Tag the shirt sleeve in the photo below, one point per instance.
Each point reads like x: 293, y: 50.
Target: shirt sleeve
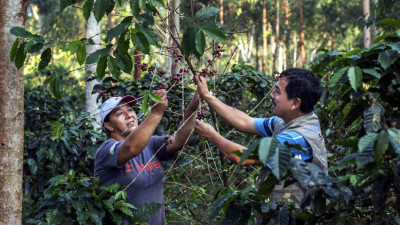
x: 159, y: 147
x: 265, y: 126
x: 292, y: 137
x: 107, y: 155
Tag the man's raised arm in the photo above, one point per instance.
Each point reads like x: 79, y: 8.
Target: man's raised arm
x: 234, y: 117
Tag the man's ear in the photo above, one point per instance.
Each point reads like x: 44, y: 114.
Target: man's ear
x: 108, y: 126
x: 296, y: 103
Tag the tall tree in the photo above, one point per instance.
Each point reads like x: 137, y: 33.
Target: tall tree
x: 276, y: 36
x: 287, y: 31
x: 221, y: 11
x: 175, y: 31
x: 12, y: 14
x: 92, y: 30
x: 302, y: 48
x: 264, y: 33
x: 367, y: 29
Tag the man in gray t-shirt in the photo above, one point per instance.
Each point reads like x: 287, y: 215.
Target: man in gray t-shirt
x: 132, y: 154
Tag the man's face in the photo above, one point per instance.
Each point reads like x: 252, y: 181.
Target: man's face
x: 123, y: 119
x: 282, y: 105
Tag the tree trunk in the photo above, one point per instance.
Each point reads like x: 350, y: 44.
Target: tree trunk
x: 294, y: 50
x: 276, y: 37
x: 302, y: 49
x: 367, y: 30
x: 264, y: 33
x: 287, y: 32
x: 175, y: 27
x: 12, y: 14
x: 228, y: 26
x: 221, y: 11
x: 91, y: 105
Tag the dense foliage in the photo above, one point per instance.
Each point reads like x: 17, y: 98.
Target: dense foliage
x: 359, y: 114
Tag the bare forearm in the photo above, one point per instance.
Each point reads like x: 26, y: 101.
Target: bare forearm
x: 234, y: 117
x: 185, y: 129
x: 138, y: 139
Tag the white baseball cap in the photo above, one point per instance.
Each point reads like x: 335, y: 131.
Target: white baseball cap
x: 111, y: 103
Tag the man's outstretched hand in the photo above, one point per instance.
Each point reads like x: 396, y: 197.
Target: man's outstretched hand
x: 205, y: 130
x: 202, y: 86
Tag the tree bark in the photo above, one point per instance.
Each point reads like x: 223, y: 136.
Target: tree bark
x: 287, y: 32
x: 302, y: 48
x: 276, y: 36
x: 264, y: 33
x: 175, y: 27
x: 12, y: 14
x: 92, y: 30
x: 367, y: 30
x: 221, y: 11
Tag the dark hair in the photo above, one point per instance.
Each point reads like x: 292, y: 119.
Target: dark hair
x: 107, y: 119
x: 303, y: 84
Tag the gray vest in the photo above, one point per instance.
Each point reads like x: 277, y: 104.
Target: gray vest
x: 308, y: 127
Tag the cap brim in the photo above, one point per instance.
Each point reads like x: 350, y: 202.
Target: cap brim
x: 129, y: 99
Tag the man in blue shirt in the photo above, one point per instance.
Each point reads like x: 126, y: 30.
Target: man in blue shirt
x: 294, y: 97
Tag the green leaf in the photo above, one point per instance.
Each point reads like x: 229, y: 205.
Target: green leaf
x: 382, y: 143
x: 355, y: 76
x: 146, y: 211
x: 99, y: 9
x: 113, y: 67
x: 118, y: 2
x: 45, y: 58
x: 382, y: 37
x: 300, y: 172
x: 146, y: 19
x: 373, y: 117
x: 395, y: 46
x: 267, y: 148
x: 55, y: 87
x: 14, y: 49
x: 149, y: 33
x: 116, y: 31
x: 101, y: 68
x: 123, y: 44
x: 156, y: 3
x: 215, y: 34
x: 390, y: 22
x: 372, y: 72
x: 19, y: 32
x: 155, y: 98
x: 398, y: 32
x: 200, y: 42
x: 280, y: 161
x: 218, y: 204
x: 65, y: 3
x: 87, y: 8
x: 124, y: 62
x: 81, y: 54
x: 141, y: 43
x: 248, y: 151
x: 205, y: 13
x: 366, y: 141
x: 32, y: 165
x: 394, y: 134
x: 135, y: 7
x: 97, y: 55
x: 387, y: 58
x: 145, y: 104
x: 73, y: 46
x: 188, y: 41
x: 335, y: 78
x: 36, y: 47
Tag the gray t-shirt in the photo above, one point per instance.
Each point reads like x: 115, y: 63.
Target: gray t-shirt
x: 148, y: 186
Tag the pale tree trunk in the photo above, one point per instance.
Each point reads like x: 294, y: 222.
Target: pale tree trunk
x: 228, y: 24
x: 276, y: 37
x: 302, y: 48
x: 264, y: 34
x: 221, y: 11
x: 91, y: 105
x: 12, y: 14
x: 287, y: 32
x: 175, y: 27
x: 367, y: 30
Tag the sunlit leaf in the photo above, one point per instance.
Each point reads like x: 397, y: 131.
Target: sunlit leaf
x: 355, y: 76
x: 145, y: 104
x: 206, y: 12
x: 335, y: 78
x: 81, y: 54
x: 155, y: 98
x: 215, y: 34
